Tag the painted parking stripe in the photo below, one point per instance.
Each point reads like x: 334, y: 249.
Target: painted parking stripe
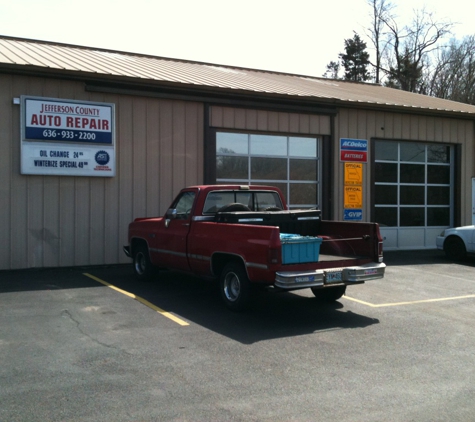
x: 414, y: 302
x: 139, y: 299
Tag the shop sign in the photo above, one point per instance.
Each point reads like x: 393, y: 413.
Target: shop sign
x: 354, y: 150
x: 353, y: 174
x: 353, y: 215
x: 353, y: 197
x: 67, y: 137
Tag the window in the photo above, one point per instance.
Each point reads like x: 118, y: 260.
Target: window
x: 291, y: 163
x: 183, y: 205
x: 255, y: 200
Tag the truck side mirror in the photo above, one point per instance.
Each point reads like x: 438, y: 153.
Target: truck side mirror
x: 171, y: 214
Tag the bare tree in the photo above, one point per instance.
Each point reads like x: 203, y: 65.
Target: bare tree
x: 403, y: 52
x: 381, y: 12
x: 453, y: 75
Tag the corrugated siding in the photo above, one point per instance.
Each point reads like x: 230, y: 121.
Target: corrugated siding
x: 361, y: 124
x: 49, y: 221
x: 269, y: 121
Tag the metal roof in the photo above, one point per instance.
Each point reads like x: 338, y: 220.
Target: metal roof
x: 18, y: 53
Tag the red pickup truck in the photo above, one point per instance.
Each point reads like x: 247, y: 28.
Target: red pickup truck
x: 246, y: 235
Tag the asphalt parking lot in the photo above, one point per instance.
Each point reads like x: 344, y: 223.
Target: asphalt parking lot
x: 93, y: 344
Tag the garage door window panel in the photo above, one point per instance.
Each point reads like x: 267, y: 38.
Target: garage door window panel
x: 302, y: 193
x: 232, y: 143
x: 303, y: 147
x: 438, y: 154
x: 387, y: 216
x: 386, y: 194
x: 438, y: 175
x: 412, y: 217
x: 438, y: 216
x: 386, y: 172
x: 301, y: 169
x: 386, y: 151
x: 412, y: 152
x: 412, y: 173
x: 412, y: 195
x: 438, y: 195
x: 268, y: 145
x: 233, y: 167
x: 268, y: 168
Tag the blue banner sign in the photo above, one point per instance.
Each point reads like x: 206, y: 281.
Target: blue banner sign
x: 353, y: 215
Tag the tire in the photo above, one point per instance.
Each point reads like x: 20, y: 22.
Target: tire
x: 454, y: 248
x: 143, y: 267
x: 234, y: 207
x: 235, y: 286
x: 329, y: 294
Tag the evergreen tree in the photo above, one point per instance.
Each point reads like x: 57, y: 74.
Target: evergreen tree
x: 333, y: 69
x: 355, y: 60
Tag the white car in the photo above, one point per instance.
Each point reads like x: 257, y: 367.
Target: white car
x: 457, y: 242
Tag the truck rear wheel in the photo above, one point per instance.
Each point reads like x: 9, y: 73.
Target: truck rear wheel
x: 143, y: 267
x: 329, y: 294
x: 235, y: 286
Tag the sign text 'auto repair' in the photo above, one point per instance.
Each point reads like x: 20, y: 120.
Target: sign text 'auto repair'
x: 66, y: 137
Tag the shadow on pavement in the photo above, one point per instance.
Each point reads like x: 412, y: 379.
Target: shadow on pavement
x: 422, y: 257
x: 270, y: 315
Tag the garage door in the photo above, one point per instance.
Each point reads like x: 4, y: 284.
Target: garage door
x: 413, y: 192
x: 291, y: 163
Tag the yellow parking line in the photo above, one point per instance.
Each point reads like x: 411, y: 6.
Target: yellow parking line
x: 414, y: 302
x: 140, y: 299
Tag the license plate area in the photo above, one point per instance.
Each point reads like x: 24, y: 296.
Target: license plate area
x: 332, y: 277
x: 305, y: 279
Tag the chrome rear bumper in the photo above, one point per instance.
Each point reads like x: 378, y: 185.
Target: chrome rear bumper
x: 291, y: 280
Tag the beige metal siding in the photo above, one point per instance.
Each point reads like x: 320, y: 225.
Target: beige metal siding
x: 363, y: 124
x: 50, y: 221
x: 269, y: 121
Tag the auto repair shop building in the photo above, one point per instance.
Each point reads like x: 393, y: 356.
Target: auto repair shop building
x: 92, y: 139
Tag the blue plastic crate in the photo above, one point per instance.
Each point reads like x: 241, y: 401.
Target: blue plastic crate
x: 298, y: 249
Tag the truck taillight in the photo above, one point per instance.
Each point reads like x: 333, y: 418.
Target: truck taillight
x: 274, y: 256
x: 380, y: 251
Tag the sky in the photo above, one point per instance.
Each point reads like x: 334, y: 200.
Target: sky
x: 297, y: 36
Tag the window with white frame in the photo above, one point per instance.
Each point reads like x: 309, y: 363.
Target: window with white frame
x: 291, y: 163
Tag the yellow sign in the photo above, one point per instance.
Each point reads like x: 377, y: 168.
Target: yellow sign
x: 353, y: 174
x: 353, y: 197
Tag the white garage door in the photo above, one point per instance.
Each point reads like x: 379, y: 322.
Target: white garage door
x: 413, y: 192
x: 291, y: 163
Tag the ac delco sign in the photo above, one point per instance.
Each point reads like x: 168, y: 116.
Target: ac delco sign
x: 355, y: 150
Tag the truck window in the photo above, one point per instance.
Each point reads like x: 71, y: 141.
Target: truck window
x: 256, y: 201
x: 216, y: 200
x: 264, y: 200
x: 184, y: 204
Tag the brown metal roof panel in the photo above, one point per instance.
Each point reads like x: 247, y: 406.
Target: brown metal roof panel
x: 100, y: 61
x: 65, y: 61
x: 10, y: 54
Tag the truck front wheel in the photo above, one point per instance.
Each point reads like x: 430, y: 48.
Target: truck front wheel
x: 235, y: 286
x: 329, y: 294
x: 143, y: 268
